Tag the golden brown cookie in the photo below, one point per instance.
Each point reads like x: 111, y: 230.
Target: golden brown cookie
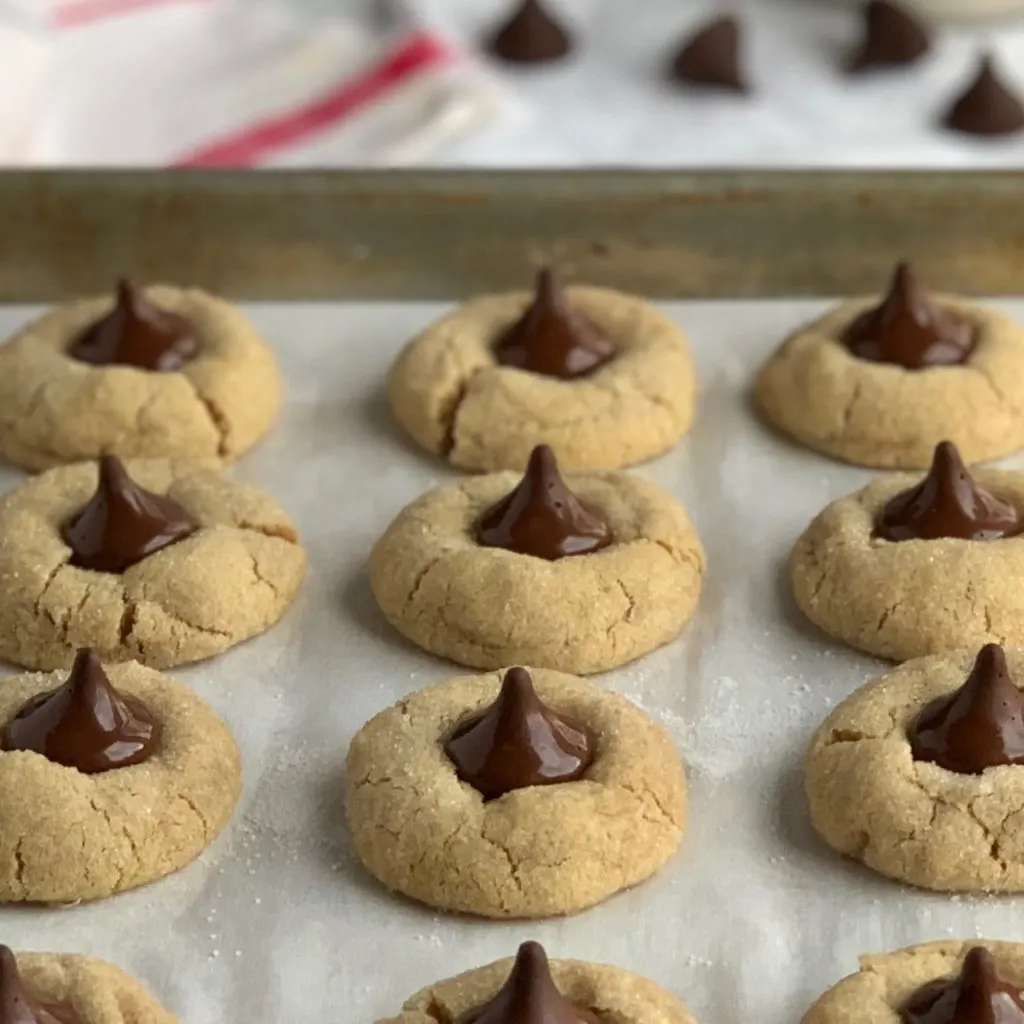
x: 229, y: 581
x: 454, y: 399
x: 906, y: 599
x: 486, y: 607
x: 885, y: 983
x: 540, y: 851
x: 68, y: 836
x: 878, y: 414
x: 98, y: 992
x: 610, y: 992
x: 55, y: 409
x: 908, y: 817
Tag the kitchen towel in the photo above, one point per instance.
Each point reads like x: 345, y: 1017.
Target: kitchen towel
x: 248, y: 83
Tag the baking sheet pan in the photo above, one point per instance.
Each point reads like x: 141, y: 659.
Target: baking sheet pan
x: 423, y: 235
x: 754, y: 917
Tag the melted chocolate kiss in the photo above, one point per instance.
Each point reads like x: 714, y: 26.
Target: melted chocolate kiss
x: 986, y: 107
x: 909, y: 329
x: 711, y: 57
x: 977, y: 996
x: 19, y: 1006
x: 947, y: 503
x: 84, y: 724
x: 137, y: 333
x: 892, y: 37
x: 122, y: 523
x: 551, y: 339
x: 542, y: 517
x: 978, y: 726
x: 530, y: 36
x: 517, y: 742
x: 530, y: 996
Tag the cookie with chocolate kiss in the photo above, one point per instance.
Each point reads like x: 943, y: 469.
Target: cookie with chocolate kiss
x: 65, y: 988
x: 531, y: 35
x: 95, y: 770
x: 710, y: 57
x: 987, y: 107
x: 910, y: 566
x: 912, y: 773
x: 559, y: 793
x: 578, y: 574
x: 880, y: 381
x: 893, y: 37
x: 530, y: 990
x: 551, y: 338
x: 972, y: 981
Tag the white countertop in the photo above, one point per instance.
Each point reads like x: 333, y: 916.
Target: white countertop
x: 609, y: 103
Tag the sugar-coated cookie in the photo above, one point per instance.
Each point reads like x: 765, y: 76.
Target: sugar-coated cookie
x: 448, y: 802
x: 566, y: 990
x: 502, y: 570
x: 157, y: 562
x: 916, y: 370
x: 602, y: 377
x: 908, y: 566
x: 194, y: 382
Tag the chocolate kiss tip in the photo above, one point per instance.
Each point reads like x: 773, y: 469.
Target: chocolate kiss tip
x: 986, y: 107
x: 893, y: 36
x: 710, y: 56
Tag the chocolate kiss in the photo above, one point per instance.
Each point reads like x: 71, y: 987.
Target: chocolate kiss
x: 136, y: 333
x: 123, y: 523
x: 530, y: 995
x: 986, y: 107
x: 542, y: 517
x: 551, y: 339
x: 517, y: 742
x: 947, y: 503
x: 711, y: 56
x: 977, y: 726
x: 909, y: 329
x: 84, y: 724
x: 977, y: 996
x: 530, y: 36
x: 892, y: 36
x: 19, y: 1006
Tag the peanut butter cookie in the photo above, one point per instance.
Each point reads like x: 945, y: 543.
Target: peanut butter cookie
x: 108, y: 780
x: 71, y: 989
x: 881, y: 385
x: 169, y: 372
x: 485, y: 796
x: 499, y: 570
x: 574, y: 991
x: 604, y: 378
x: 159, y: 563
x: 908, y: 567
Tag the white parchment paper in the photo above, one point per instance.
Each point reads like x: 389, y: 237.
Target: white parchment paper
x: 278, y: 924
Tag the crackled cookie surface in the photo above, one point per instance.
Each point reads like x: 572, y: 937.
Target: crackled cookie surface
x: 633, y: 399
x: 72, y: 833
x: 226, y: 580
x: 889, y: 988
x: 615, y: 571
x: 213, y: 405
x: 594, y: 994
x: 920, y: 773
x: 433, y: 816
x: 908, y: 567
x: 936, y: 367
